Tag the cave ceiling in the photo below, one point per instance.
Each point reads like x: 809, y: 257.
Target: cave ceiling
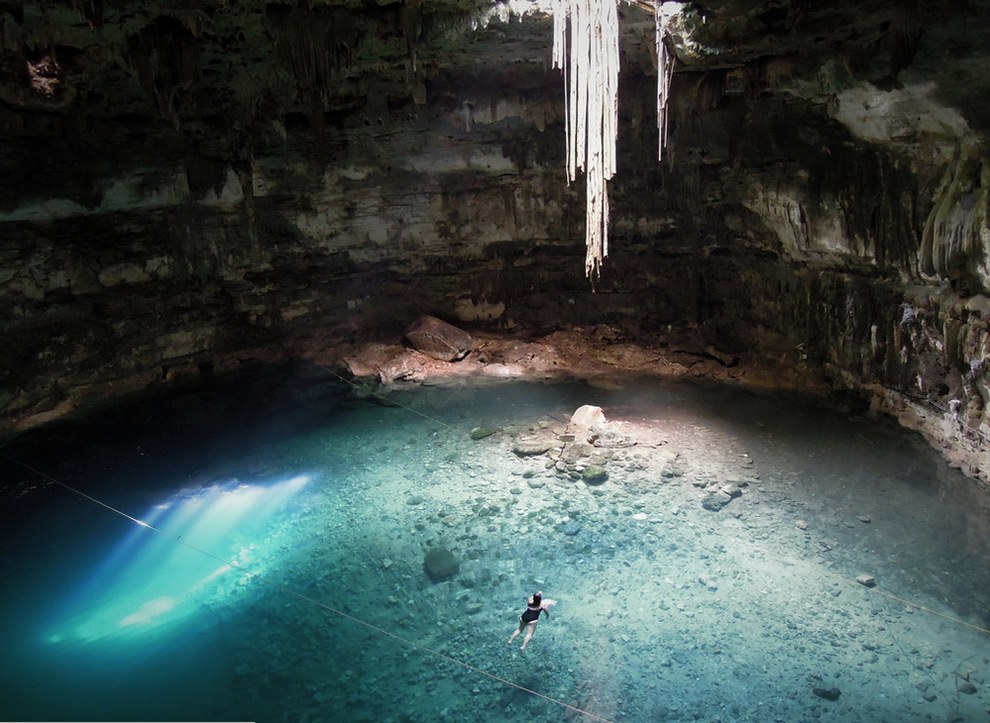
x: 188, y: 184
x: 217, y: 69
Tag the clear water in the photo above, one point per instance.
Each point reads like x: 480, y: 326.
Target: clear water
x: 284, y: 577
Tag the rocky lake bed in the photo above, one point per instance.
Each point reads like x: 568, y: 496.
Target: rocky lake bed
x: 715, y: 555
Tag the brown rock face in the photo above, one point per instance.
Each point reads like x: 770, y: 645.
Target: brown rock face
x: 188, y: 190
x: 438, y: 339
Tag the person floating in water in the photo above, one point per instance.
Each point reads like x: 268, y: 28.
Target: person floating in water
x: 530, y: 616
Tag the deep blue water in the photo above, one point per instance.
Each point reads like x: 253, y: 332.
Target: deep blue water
x: 283, y: 578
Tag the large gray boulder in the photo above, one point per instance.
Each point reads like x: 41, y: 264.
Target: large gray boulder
x: 440, y: 564
x: 438, y: 339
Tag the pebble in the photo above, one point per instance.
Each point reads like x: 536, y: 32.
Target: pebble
x: 708, y: 582
x: 571, y: 528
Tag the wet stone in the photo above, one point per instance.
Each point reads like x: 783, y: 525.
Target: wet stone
x: 716, y: 501
x: 531, y: 449
x: 571, y: 528
x: 708, y: 583
x: 594, y: 475
x: 732, y: 489
x: 482, y: 432
x: 440, y: 564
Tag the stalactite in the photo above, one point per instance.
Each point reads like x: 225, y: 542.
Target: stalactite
x: 166, y: 59
x: 665, y: 72
x: 318, y: 47
x: 586, y: 49
x: 591, y: 80
x: 953, y: 240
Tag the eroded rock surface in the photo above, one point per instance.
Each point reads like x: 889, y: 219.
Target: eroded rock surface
x: 188, y: 191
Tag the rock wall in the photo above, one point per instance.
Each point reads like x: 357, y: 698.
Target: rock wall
x: 189, y: 193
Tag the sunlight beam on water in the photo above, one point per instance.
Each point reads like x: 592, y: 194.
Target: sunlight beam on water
x: 158, y: 575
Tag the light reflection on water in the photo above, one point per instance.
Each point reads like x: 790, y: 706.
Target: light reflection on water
x: 383, y: 484
x: 172, y: 562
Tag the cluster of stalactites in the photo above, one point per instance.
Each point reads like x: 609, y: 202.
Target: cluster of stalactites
x: 586, y: 48
x: 665, y: 71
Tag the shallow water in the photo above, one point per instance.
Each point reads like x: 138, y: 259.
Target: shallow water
x: 285, y: 579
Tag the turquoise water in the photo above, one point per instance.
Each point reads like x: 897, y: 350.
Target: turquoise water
x: 282, y: 575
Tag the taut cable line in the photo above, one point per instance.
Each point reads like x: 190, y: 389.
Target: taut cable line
x: 293, y: 592
x: 289, y: 590
x: 719, y: 533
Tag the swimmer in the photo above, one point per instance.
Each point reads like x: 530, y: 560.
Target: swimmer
x: 530, y: 616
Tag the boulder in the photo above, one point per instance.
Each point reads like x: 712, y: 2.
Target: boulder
x: 589, y: 417
x: 440, y: 564
x: 716, y: 501
x: 438, y: 339
x: 594, y: 475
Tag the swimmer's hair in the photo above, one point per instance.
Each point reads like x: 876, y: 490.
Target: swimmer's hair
x: 537, y: 598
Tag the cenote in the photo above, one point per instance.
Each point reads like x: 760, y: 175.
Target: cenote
x: 256, y: 551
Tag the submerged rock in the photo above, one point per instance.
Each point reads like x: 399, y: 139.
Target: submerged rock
x: 531, y: 449
x: 571, y: 528
x: 716, y: 501
x: 594, y: 475
x: 440, y: 564
x: 482, y: 432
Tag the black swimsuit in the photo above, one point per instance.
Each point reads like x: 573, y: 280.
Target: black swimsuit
x: 531, y: 615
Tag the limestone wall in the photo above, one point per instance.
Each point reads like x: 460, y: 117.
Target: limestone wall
x: 194, y: 220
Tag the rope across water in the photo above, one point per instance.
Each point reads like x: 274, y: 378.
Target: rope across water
x: 289, y: 590
x: 308, y: 598
x: 720, y: 533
